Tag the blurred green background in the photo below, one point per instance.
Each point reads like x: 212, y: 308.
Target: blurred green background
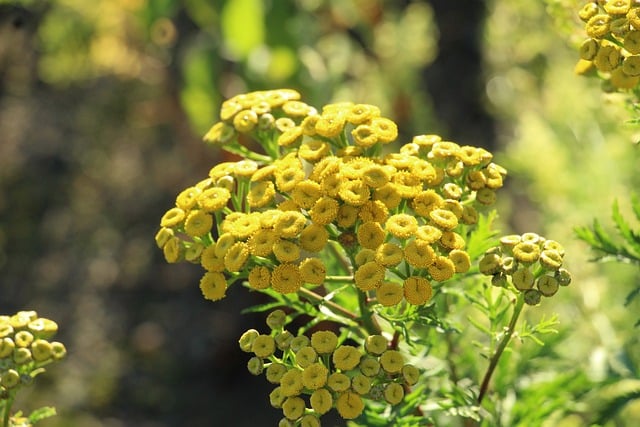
x: 102, y: 107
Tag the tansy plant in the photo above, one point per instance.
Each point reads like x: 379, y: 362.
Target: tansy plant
x: 380, y: 245
x: 25, y: 349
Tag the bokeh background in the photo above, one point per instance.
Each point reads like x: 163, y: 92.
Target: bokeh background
x: 102, y: 107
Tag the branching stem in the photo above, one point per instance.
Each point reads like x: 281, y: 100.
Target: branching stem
x: 493, y: 363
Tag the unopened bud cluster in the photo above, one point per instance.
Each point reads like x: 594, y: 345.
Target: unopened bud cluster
x: 314, y: 375
x: 613, y: 46
x: 25, y: 347
x: 531, y: 263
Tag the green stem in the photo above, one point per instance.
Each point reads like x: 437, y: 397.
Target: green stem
x: 366, y: 315
x: 339, y: 279
x: 493, y: 363
x: 335, y: 307
x: 7, y: 409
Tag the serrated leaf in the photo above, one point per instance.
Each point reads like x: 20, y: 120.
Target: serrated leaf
x: 625, y: 231
x: 605, y: 242
x: 483, y: 236
x: 585, y: 234
x: 41, y: 413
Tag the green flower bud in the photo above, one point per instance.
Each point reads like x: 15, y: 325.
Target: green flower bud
x: 392, y: 361
x: 532, y: 297
x: 246, y: 340
x: 255, y: 365
x: 411, y: 374
x: 10, y: 378
x: 309, y: 420
x: 298, y: 342
x: 283, y: 340
x: 306, y: 356
x: 376, y: 344
x: 276, y: 397
x: 276, y: 319
x: 490, y: 264
x: 499, y: 280
x: 547, y: 285
x: 522, y: 279
x: 369, y: 366
x: 393, y: 393
x: 263, y: 346
x: 274, y: 372
x: 563, y: 277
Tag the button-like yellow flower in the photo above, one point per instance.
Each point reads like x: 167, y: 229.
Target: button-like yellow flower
x: 314, y: 150
x: 286, y: 251
x: 360, y: 384
x: 261, y: 242
x: 441, y: 269
x: 290, y: 224
x: 417, y: 290
x: 324, y: 210
x: 402, y: 225
x: 369, y: 275
x: 260, y: 277
x: 411, y: 374
x: 354, y: 192
x: 608, y: 57
x: 306, y: 356
x: 622, y: 80
x: 245, y: 120
x: 276, y: 397
x: 461, y: 260
x: 291, y: 383
x: 314, y: 375
x: 172, y: 217
x: 389, y: 255
x: 314, y: 238
x: 392, y: 361
x: 349, y: 405
x: 321, y: 401
x: 213, y: 286
x: 286, y: 278
x: 236, y: 256
x: 394, y: 393
x: 389, y: 294
x: 313, y: 270
x: 526, y: 252
x: 324, y: 342
x: 376, y: 344
x: 419, y: 253
x: 389, y: 194
x: 598, y: 26
x: 338, y: 382
x: 444, y: 219
x: 370, y: 235
x: 198, y: 223
x: 617, y: 7
x: 346, y: 357
x: 369, y: 366
x: 275, y: 372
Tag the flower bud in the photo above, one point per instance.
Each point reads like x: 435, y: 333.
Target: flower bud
x: 276, y: 319
x: 283, y: 340
x: 255, y: 365
x: 10, y: 378
x: 532, y: 296
x: 246, y: 340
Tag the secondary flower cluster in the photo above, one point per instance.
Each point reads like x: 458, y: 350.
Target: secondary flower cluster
x: 25, y: 347
x: 613, y: 46
x: 533, y: 264
x: 314, y: 375
x: 400, y: 219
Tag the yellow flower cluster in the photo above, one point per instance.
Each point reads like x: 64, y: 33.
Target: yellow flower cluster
x: 613, y: 46
x: 314, y: 375
x: 533, y: 263
x: 25, y: 348
x: 401, y: 218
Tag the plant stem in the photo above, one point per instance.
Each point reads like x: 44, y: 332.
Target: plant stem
x: 7, y: 410
x: 366, y: 316
x: 493, y: 363
x: 335, y: 307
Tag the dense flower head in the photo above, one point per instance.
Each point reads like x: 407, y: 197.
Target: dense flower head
x: 533, y: 264
x: 323, y: 181
x: 314, y: 375
x: 25, y: 349
x: 612, y: 46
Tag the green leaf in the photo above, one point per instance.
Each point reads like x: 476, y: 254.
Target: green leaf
x: 41, y: 413
x: 612, y: 398
x: 483, y: 236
